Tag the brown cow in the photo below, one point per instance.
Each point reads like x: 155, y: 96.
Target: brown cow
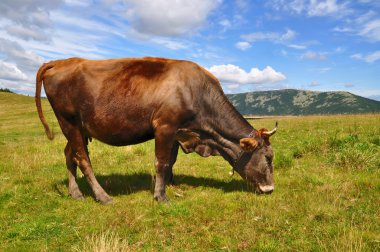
x: 129, y: 101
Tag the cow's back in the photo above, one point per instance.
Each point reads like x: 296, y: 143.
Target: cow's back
x: 120, y: 101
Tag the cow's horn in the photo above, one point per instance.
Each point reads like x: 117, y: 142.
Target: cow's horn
x: 270, y: 133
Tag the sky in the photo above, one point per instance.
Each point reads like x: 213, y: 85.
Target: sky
x: 324, y: 45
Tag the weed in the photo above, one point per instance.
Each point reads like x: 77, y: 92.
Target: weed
x: 282, y: 160
x: 107, y: 241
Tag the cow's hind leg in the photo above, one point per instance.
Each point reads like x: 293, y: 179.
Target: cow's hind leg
x: 165, y: 145
x: 72, y: 172
x: 78, y: 145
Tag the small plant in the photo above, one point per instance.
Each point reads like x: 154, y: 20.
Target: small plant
x: 104, y: 242
x: 349, y: 152
x: 282, y: 161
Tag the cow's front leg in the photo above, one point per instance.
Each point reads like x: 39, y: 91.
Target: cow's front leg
x: 165, y: 145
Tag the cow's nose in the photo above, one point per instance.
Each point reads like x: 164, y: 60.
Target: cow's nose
x: 266, y: 188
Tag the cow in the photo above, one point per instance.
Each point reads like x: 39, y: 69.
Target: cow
x: 131, y: 100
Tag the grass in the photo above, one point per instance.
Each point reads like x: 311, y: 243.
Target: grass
x: 327, y: 193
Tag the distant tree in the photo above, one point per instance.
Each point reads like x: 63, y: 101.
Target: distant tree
x: 5, y: 90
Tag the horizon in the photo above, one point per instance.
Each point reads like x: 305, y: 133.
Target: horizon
x: 323, y: 46
x: 305, y: 90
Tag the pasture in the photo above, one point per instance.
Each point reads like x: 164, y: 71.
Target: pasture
x: 326, y: 198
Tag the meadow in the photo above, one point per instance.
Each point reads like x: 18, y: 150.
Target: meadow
x: 326, y: 198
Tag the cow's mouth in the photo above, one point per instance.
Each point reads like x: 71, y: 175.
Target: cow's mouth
x: 263, y: 189
x: 266, y: 189
x: 260, y: 189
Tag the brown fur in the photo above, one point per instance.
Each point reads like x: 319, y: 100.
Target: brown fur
x: 131, y: 100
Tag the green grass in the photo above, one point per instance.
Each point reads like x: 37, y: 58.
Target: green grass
x: 327, y: 194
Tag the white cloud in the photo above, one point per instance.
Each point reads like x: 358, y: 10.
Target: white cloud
x: 298, y: 47
x: 25, y: 60
x: 225, y: 23
x: 243, y: 45
x: 365, y: 25
x: 26, y: 16
x: 310, y: 55
x: 233, y: 74
x: 371, y: 30
x: 270, y: 36
x: 168, y: 17
x: 80, y: 3
x: 312, y: 8
x: 26, y: 33
x: 10, y: 72
x: 171, y: 43
x: 369, y: 58
x: 325, y: 8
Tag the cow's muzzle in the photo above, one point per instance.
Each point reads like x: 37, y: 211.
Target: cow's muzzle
x: 266, y: 189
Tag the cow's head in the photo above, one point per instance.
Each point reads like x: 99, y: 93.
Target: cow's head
x: 254, y: 164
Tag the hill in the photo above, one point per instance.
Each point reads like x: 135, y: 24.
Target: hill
x: 327, y: 181
x: 300, y: 102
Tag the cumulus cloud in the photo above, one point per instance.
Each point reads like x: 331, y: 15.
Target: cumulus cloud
x: 10, y: 71
x: 17, y: 65
x: 232, y: 74
x: 23, y: 22
x: 24, y: 59
x: 29, y: 19
x: 369, y: 58
x: 168, y: 17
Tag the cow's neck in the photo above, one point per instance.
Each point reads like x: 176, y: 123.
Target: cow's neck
x: 223, y: 127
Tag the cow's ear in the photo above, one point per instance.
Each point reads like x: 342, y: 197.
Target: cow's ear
x: 188, y: 140
x: 248, y: 144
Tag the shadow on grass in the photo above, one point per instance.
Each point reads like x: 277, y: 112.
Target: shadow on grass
x: 124, y: 184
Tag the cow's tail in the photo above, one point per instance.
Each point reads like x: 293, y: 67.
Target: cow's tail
x: 39, y: 77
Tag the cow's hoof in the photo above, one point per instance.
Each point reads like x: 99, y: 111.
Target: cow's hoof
x: 77, y: 195
x: 106, y: 200
x: 162, y: 199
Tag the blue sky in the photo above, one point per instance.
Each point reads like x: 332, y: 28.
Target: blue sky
x: 321, y: 45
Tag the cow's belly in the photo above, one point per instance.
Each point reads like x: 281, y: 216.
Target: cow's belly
x: 125, y: 134
x: 118, y: 126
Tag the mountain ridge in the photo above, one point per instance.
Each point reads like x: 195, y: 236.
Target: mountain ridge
x: 302, y: 102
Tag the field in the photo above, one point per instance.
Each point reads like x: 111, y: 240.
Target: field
x: 327, y: 196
